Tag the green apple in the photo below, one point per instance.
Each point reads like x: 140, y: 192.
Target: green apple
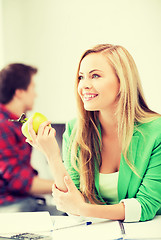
x: 38, y: 118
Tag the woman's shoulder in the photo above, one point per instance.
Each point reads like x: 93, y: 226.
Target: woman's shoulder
x: 70, y: 125
x: 72, y: 122
x: 151, y: 128
x: 154, y: 123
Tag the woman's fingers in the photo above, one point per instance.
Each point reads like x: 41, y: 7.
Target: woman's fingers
x: 46, y: 131
x: 52, y: 131
x: 43, y: 126
x: 44, y: 140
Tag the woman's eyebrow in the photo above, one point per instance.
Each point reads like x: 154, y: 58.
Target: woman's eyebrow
x: 92, y: 71
x: 95, y: 70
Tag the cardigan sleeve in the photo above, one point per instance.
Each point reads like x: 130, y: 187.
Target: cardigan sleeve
x: 132, y: 210
x: 149, y: 193
x: 66, y: 146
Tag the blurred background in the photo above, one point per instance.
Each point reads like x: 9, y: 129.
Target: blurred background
x: 53, y: 34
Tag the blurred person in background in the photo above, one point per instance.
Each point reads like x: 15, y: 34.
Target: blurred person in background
x: 20, y: 184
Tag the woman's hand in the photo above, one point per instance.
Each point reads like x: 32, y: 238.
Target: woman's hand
x: 44, y: 140
x: 71, y: 201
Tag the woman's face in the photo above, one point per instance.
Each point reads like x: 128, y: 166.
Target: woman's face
x: 98, y: 84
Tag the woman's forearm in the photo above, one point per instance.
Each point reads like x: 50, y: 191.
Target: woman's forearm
x: 59, y: 171
x: 112, y: 212
x: 46, y: 142
x: 41, y: 186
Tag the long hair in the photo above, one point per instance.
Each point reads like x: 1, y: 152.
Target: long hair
x: 131, y: 108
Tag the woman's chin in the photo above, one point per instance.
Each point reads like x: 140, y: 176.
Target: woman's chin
x: 90, y: 108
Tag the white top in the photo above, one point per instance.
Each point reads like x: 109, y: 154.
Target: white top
x: 108, y: 189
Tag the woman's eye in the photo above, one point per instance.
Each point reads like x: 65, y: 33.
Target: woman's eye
x: 80, y: 78
x: 95, y: 76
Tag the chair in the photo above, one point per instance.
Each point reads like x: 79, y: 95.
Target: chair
x: 59, y: 128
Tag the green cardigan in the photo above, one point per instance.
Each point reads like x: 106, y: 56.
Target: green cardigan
x: 146, y: 153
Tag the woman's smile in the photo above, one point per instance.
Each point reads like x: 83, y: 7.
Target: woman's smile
x: 89, y: 96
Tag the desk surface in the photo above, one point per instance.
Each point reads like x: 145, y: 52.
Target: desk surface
x: 110, y: 230
x: 104, y: 230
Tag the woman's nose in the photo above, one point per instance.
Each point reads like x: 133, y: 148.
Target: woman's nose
x: 86, y: 83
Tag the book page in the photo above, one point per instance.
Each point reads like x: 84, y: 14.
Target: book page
x: 99, y: 229
x: 25, y: 222
x: 145, y: 230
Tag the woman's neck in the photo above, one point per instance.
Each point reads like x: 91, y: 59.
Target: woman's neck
x: 109, y: 124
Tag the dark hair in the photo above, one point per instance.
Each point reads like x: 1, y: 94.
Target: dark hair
x: 14, y: 76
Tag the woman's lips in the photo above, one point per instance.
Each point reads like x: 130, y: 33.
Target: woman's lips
x: 89, y: 96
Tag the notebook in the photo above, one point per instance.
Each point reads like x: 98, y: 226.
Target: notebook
x: 106, y: 229
x: 144, y: 230
x: 25, y: 222
x: 73, y: 229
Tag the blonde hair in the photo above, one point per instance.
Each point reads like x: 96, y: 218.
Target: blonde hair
x: 132, y: 108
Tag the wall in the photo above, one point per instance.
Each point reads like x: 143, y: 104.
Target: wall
x: 52, y: 34
x: 1, y: 37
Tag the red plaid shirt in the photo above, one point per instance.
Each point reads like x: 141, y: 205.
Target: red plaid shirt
x: 16, y: 172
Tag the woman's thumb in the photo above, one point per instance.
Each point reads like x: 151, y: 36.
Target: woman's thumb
x: 68, y: 183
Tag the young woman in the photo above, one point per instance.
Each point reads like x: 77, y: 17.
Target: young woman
x: 112, y: 151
